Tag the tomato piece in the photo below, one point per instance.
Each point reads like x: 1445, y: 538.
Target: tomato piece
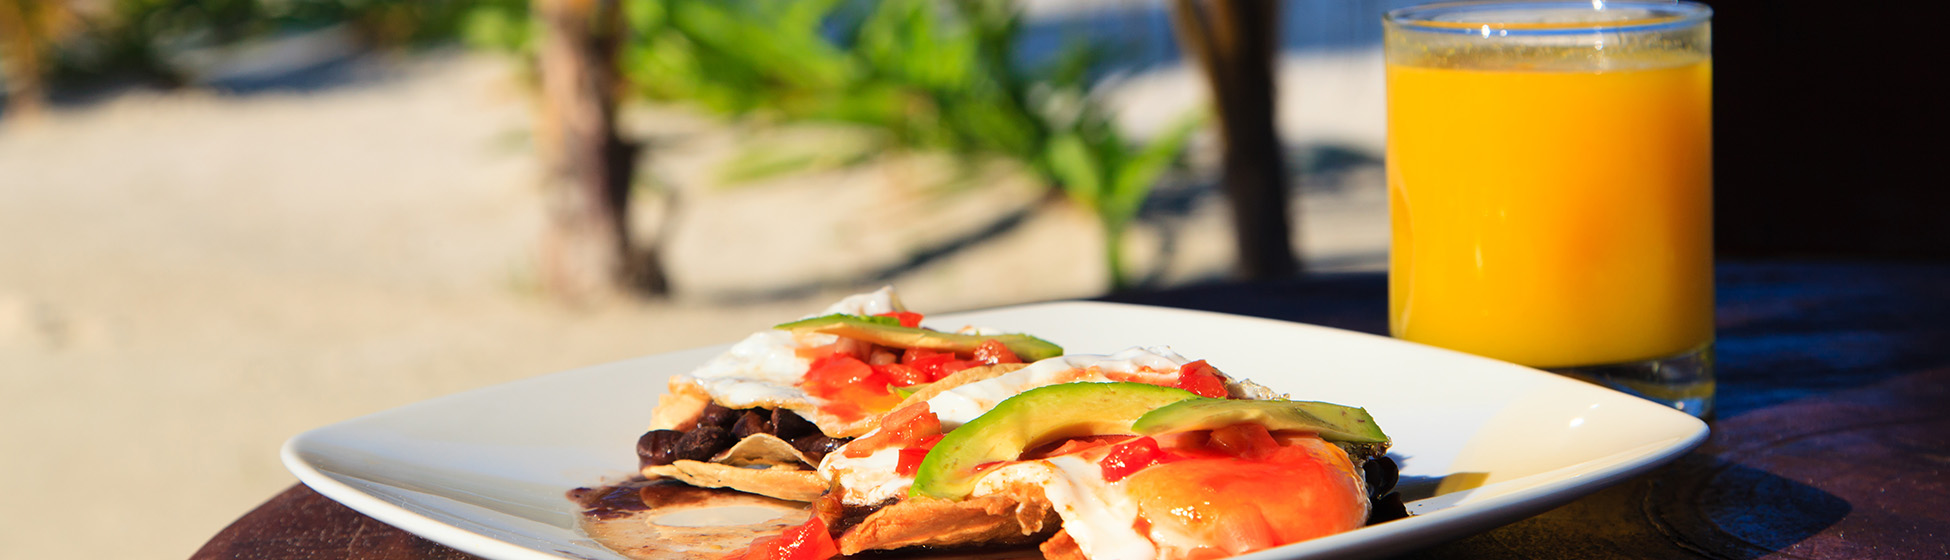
x: 912, y: 355
x: 1200, y: 378
x: 993, y: 352
x: 808, y: 541
x: 908, y: 319
x: 906, y: 427
x: 910, y: 461
x: 903, y: 375
x: 851, y: 388
x: 1126, y: 459
x: 911, y: 457
x: 939, y: 365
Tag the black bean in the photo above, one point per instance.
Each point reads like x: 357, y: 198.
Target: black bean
x: 1387, y: 508
x: 655, y: 447
x: 789, y: 425
x: 702, y: 443
x: 752, y: 422
x: 816, y: 446
x: 1382, y: 474
x: 715, y: 415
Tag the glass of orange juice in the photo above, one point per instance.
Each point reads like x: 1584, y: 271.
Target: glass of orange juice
x: 1550, y: 176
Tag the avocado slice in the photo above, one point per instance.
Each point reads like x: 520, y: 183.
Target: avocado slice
x: 888, y: 332
x: 1033, y: 418
x: 1332, y: 421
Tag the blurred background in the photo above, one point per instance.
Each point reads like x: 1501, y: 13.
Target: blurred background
x: 225, y: 222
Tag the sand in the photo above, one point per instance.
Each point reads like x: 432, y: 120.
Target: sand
x: 187, y: 279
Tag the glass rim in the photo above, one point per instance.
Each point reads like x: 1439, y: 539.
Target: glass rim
x: 1666, y: 15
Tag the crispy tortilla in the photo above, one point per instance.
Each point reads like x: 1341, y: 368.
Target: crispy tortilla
x: 783, y: 482
x: 688, y: 523
x: 764, y: 450
x: 684, y: 523
x: 1020, y: 516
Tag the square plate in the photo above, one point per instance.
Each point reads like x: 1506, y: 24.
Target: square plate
x: 1481, y: 443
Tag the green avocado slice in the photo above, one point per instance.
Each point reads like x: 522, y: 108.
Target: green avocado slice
x: 1332, y: 421
x: 888, y: 332
x: 1033, y: 418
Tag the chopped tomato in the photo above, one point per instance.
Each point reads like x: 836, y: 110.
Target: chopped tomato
x: 1130, y: 457
x: 911, y: 457
x: 912, y: 355
x: 910, y: 461
x: 1199, y: 377
x: 906, y: 427
x: 937, y: 365
x: 809, y: 541
x: 993, y: 352
x: 907, y: 318
x: 851, y: 387
x: 903, y: 375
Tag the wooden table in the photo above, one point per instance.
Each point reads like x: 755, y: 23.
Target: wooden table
x: 1832, y: 438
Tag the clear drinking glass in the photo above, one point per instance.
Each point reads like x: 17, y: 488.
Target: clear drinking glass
x: 1550, y: 176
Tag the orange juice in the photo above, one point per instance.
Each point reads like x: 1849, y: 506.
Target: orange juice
x: 1552, y: 217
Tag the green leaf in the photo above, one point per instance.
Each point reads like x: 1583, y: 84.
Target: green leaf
x: 1135, y: 176
x: 1076, y: 169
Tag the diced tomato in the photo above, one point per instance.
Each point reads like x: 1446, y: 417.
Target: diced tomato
x: 906, y: 427
x: 1130, y: 457
x: 809, y: 541
x: 839, y: 369
x: 910, y: 461
x: 907, y: 318
x: 1199, y: 377
x: 1245, y: 440
x: 912, y: 355
x: 993, y: 352
x: 851, y: 387
x: 911, y: 457
x: 939, y: 365
x: 903, y: 375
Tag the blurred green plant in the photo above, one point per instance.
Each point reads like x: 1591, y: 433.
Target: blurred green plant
x: 939, y: 76
x: 134, y: 39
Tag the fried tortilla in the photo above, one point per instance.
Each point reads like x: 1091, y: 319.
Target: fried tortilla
x: 783, y: 481
x: 1022, y: 516
x: 679, y: 522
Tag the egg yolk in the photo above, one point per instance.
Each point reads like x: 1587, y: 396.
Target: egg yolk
x: 1304, y: 489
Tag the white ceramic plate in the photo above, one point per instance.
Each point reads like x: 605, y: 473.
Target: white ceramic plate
x: 1481, y: 443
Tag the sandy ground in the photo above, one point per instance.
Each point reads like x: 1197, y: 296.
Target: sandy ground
x: 188, y: 279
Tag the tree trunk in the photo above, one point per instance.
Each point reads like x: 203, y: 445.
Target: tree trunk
x: 22, y: 37
x: 1235, y: 42
x: 587, y: 253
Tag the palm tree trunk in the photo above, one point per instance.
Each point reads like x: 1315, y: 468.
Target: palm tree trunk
x: 26, y: 30
x: 587, y: 252
x: 1235, y: 42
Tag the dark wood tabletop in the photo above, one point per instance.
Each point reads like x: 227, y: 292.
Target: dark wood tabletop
x: 1832, y: 436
